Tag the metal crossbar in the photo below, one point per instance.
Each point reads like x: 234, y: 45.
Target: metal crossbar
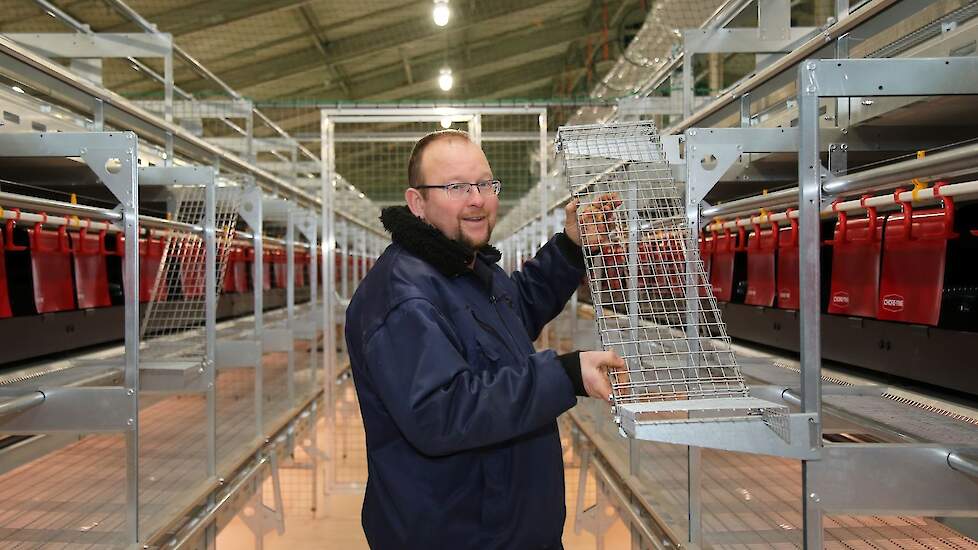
x: 653, y: 302
x: 177, y: 302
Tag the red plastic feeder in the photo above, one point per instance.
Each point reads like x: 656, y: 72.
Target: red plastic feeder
x: 91, y: 270
x: 856, y: 265
x: 722, y: 269
x: 761, y: 247
x: 51, y: 269
x: 787, y: 270
x: 914, y: 251
x: 5, y: 310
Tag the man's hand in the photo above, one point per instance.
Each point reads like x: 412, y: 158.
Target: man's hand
x: 571, y: 228
x: 598, y: 221
x: 594, y: 372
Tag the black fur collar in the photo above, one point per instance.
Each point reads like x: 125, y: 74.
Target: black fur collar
x: 449, y: 257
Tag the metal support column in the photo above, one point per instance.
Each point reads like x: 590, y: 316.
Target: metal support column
x: 252, y: 213
x: 343, y: 240
x: 809, y: 206
x: 329, y: 258
x: 290, y: 298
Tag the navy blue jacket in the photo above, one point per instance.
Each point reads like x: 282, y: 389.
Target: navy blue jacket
x: 459, y: 409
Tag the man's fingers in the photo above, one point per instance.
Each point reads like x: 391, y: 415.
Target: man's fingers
x: 611, y: 359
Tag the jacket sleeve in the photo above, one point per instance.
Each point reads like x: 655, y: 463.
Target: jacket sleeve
x: 440, y: 403
x: 547, y: 281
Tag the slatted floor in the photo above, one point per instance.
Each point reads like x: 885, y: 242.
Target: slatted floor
x: 74, y: 498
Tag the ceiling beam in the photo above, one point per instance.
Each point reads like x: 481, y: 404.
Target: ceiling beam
x: 518, y: 78
x: 183, y: 73
x: 206, y: 15
x: 484, y: 85
x: 466, y: 16
x: 532, y: 89
x: 392, y: 82
x: 309, y: 19
x: 491, y: 85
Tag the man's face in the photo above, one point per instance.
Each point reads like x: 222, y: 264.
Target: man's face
x: 469, y: 219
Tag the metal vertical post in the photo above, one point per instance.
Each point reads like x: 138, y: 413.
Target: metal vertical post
x: 688, y: 85
x: 329, y: 254
x: 295, y: 164
x: 475, y: 128
x: 344, y: 252
x: 210, y: 322
x: 694, y: 480
x: 210, y: 330
x: 354, y: 258
x: 745, y: 107
x: 290, y: 298
x: 258, y: 284
x: 313, y: 294
x: 544, y: 180
x: 98, y: 115
x: 362, y: 267
x: 842, y: 104
x: 809, y: 205
x: 168, y: 102
x: 250, y: 136
x: 130, y: 207
x: 695, y: 194
x: 168, y: 88
x: 841, y: 9
x: 634, y: 236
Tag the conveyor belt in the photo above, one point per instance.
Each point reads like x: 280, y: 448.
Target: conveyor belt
x: 75, y: 497
x: 915, y: 420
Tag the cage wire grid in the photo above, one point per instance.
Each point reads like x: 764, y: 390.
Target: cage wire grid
x: 654, y: 305
x: 177, y: 303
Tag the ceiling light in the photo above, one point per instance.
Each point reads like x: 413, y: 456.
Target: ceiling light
x: 446, y: 80
x: 441, y: 14
x: 17, y: 89
x: 446, y: 123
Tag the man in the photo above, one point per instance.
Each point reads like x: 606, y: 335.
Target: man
x: 459, y: 409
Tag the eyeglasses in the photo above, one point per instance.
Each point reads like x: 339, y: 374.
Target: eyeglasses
x: 461, y: 189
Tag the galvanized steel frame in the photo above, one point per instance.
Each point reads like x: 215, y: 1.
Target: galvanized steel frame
x: 112, y: 157
x: 833, y: 78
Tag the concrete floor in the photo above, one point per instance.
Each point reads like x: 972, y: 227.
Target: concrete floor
x: 336, y: 521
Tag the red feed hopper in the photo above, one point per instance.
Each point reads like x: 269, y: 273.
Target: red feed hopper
x: 914, y: 253
x: 856, y: 265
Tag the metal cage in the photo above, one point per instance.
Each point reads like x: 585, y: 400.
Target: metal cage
x: 653, y: 303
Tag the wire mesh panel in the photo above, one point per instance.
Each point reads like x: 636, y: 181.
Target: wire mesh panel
x: 235, y: 391
x: 512, y: 146
x: 653, y: 303
x: 372, y: 159
x: 178, y: 298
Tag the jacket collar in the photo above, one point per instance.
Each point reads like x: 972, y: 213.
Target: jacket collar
x: 449, y: 257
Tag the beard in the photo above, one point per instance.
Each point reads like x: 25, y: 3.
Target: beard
x: 474, y: 244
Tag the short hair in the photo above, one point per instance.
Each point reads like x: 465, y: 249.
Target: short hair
x: 414, y: 163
